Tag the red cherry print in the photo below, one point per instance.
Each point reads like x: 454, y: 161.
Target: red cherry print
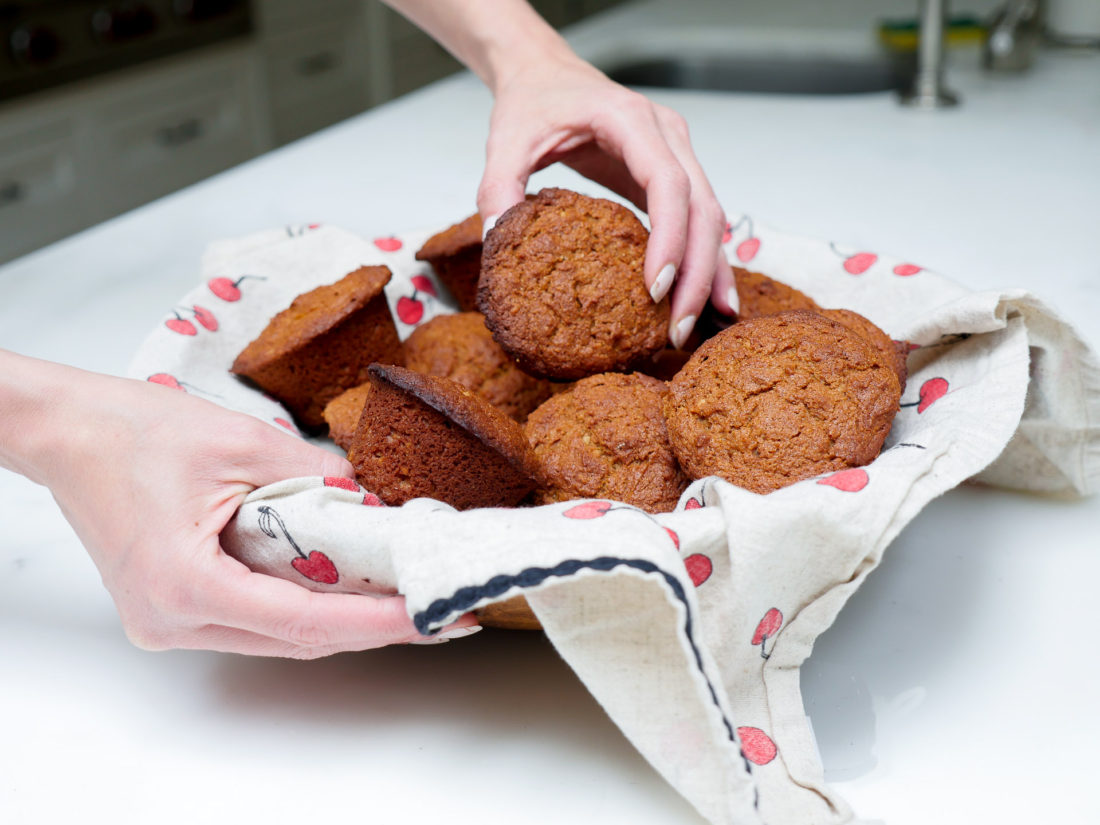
x: 859, y: 263
x: 206, y: 318
x: 699, y: 568
x: 851, y: 480
x: 229, y: 290
x: 342, y: 483
x: 675, y: 538
x: 756, y: 745
x: 727, y: 236
x: 692, y: 504
x: 410, y: 310
x: 317, y: 567
x: 282, y: 422
x: 767, y: 628
x: 589, y: 509
x: 905, y: 270
x: 371, y: 500
x: 225, y: 289
x: 181, y: 325
x: 390, y: 244
x: 746, y: 250
x: 166, y: 380
x: 931, y: 391
x: 423, y: 284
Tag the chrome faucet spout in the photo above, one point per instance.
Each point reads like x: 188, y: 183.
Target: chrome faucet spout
x: 1013, y: 36
x: 928, y: 90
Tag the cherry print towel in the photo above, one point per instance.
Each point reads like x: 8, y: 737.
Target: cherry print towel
x: 689, y: 627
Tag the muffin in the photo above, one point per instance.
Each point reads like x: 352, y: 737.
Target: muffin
x: 455, y: 255
x: 562, y: 287
x: 342, y: 415
x: 606, y: 438
x: 510, y: 614
x: 760, y: 295
x: 425, y: 436
x: 896, y: 353
x: 460, y: 347
x: 322, y: 345
x: 780, y: 398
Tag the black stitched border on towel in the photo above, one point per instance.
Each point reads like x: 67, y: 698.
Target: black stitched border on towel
x: 465, y: 597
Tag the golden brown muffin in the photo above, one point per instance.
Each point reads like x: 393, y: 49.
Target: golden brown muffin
x: 455, y: 255
x: 760, y: 295
x: 562, y: 287
x: 606, y: 438
x: 777, y: 399
x: 864, y: 327
x: 460, y: 347
x: 322, y: 344
x: 342, y: 415
x: 425, y: 436
x: 510, y: 614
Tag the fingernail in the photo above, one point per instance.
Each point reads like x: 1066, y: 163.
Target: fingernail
x: 488, y: 224
x: 682, y: 330
x: 663, y: 283
x: 457, y: 633
x: 733, y: 300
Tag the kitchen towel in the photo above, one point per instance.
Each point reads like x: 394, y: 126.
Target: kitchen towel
x: 688, y: 627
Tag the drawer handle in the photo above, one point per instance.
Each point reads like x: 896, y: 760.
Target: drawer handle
x: 316, y: 64
x: 12, y: 192
x: 183, y: 132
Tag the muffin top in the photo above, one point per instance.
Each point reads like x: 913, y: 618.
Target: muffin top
x: 894, y: 352
x: 311, y: 315
x: 606, y: 438
x: 562, y: 286
x: 460, y: 347
x: 461, y: 237
x: 777, y: 399
x: 760, y: 295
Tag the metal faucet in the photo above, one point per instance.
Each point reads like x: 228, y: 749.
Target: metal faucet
x: 1014, y: 33
x: 928, y: 91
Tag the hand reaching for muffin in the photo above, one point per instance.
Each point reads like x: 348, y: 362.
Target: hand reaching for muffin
x: 550, y: 106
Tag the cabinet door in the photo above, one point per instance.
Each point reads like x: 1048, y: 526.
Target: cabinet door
x: 176, y: 130
x: 40, y: 200
x: 316, y: 76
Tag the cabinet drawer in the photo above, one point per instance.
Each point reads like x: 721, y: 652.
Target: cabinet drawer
x: 40, y: 199
x: 419, y: 61
x: 317, y: 62
x: 169, y: 137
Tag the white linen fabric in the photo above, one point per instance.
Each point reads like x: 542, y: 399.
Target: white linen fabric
x: 688, y: 627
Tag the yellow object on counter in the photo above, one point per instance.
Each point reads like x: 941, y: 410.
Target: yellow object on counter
x: 902, y: 35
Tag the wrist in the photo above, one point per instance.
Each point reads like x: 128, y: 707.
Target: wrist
x: 34, y: 397
x: 524, y: 44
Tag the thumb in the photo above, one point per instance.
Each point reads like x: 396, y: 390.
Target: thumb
x: 286, y: 456
x: 503, y: 184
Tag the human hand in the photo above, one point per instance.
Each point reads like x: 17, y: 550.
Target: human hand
x: 564, y: 110
x: 148, y: 477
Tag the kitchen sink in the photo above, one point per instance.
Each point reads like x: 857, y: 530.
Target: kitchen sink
x: 768, y: 74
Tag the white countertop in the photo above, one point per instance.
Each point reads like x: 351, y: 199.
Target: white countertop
x: 958, y: 686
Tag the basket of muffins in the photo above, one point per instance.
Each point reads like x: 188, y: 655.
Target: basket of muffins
x: 556, y: 380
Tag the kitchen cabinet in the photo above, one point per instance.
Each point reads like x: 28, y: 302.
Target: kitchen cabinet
x: 78, y: 155
x: 82, y: 153
x: 39, y: 196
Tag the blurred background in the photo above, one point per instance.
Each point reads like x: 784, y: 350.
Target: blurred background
x: 108, y: 104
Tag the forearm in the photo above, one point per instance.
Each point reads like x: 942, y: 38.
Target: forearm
x: 494, y: 38
x: 34, y: 398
